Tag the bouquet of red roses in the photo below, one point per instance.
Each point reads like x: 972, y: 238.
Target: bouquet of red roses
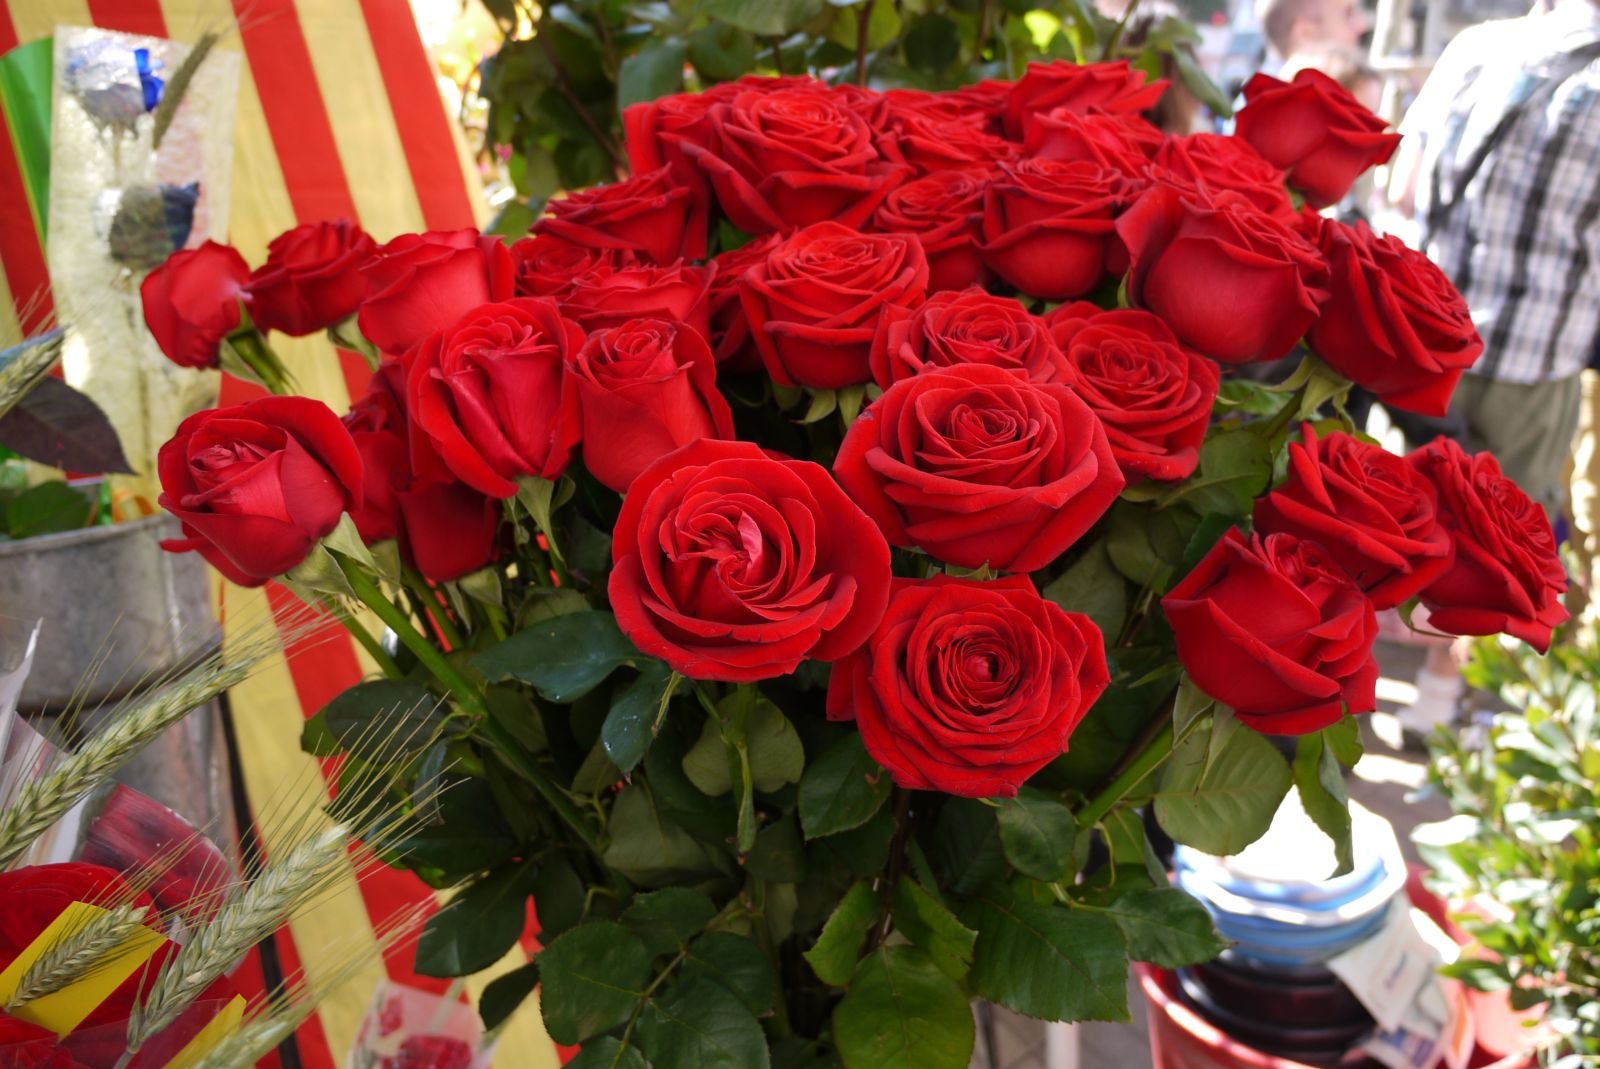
x: 808, y: 556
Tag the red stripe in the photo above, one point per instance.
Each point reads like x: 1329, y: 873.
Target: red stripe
x: 129, y: 16
x: 286, y: 82
x: 8, y: 32
x: 424, y: 128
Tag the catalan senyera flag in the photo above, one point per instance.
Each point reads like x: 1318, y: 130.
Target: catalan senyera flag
x: 339, y: 116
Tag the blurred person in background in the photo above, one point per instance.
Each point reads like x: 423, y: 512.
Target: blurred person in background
x: 1310, y: 28
x: 1501, y: 166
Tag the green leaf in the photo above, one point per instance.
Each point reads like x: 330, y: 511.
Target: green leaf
x: 1037, y: 834
x: 1207, y: 535
x: 738, y: 965
x: 666, y: 920
x: 779, y: 855
x: 1344, y: 739
x: 607, y: 1052
x: 1320, y: 780
x: 776, y: 754
x: 649, y: 849
x: 768, y: 18
x: 1165, y: 927
x: 1235, y: 466
x: 721, y: 52
x: 833, y: 958
x: 630, y: 726
x: 932, y: 43
x: 656, y: 70
x: 841, y: 789
x: 1221, y: 805
x: 1048, y: 961
x: 49, y: 508
x: 558, y: 897
x: 476, y: 927
x: 706, y: 763
x: 592, y: 976
x: 968, y: 836
x: 468, y: 836
x: 699, y: 1024
x: 883, y: 26
x: 564, y: 658
x: 1195, y: 79
x: 1095, y: 588
x: 316, y: 739
x: 924, y: 920
x: 902, y: 1012
x: 502, y: 995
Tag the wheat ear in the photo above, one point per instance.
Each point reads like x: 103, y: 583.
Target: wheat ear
x: 24, y: 364
x: 75, y: 954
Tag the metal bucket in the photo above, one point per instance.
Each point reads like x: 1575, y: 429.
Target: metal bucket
x: 106, y: 594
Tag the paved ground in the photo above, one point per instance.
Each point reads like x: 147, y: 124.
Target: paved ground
x: 1388, y: 780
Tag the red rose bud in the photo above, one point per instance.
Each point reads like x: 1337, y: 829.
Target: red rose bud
x: 1276, y: 629
x: 969, y: 327
x: 1121, y: 142
x: 813, y: 304
x: 1393, y: 322
x: 969, y: 688
x: 448, y: 529
x: 977, y: 465
x: 650, y: 214
x: 1109, y: 87
x: 944, y: 210
x: 1152, y: 394
x: 734, y: 564
x: 257, y: 485
x: 1368, y: 508
x: 1314, y: 129
x: 486, y: 396
x: 730, y: 330
x: 791, y: 157
x: 1213, y: 164
x: 643, y: 390
x: 191, y: 302
x: 1048, y: 225
x: 420, y: 283
x: 547, y: 266
x: 609, y: 296
x: 1230, y: 280
x: 1506, y: 576
x: 312, y: 278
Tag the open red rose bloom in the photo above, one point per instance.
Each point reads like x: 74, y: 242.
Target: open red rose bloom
x: 863, y: 438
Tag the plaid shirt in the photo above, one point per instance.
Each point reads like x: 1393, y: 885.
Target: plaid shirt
x: 1523, y: 243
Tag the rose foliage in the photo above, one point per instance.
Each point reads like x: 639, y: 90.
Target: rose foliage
x: 809, y: 555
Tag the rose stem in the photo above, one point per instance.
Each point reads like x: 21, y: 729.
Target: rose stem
x: 380, y: 655
x: 1160, y: 746
x: 1116, y: 35
x: 862, y: 37
x: 435, y: 606
x: 465, y: 694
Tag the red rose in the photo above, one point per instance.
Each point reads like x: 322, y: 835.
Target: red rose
x: 813, y: 304
x: 191, y: 302
x: 448, y: 529
x: 486, y: 396
x: 1393, y: 322
x: 1506, y: 576
x: 1275, y: 628
x: 312, y: 278
x: 1314, y: 129
x: 432, y: 1052
x: 258, y: 484
x: 1228, y: 279
x: 944, y: 210
x: 1048, y: 224
x: 650, y: 213
x: 656, y: 130
x: 969, y: 687
x: 985, y: 100
x: 730, y: 331
x: 1212, y: 164
x: 608, y: 296
x: 377, y: 425
x: 977, y: 465
x: 791, y: 157
x: 1368, y: 508
x: 643, y: 390
x: 966, y: 327
x: 1153, y: 395
x: 734, y: 564
x: 420, y: 283
x: 931, y: 143
x: 1110, y: 87
x: 547, y: 266
x: 1122, y: 142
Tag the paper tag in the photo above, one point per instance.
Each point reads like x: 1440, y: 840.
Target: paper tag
x: 1389, y: 972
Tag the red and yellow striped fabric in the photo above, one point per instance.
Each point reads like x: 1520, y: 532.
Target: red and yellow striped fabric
x: 339, y: 116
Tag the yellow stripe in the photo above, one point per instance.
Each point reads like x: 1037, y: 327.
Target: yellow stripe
x: 363, y: 124
x: 34, y: 19
x: 10, y: 325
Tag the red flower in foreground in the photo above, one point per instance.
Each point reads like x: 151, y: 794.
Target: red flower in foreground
x: 1314, y: 129
x: 191, y: 302
x: 312, y: 278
